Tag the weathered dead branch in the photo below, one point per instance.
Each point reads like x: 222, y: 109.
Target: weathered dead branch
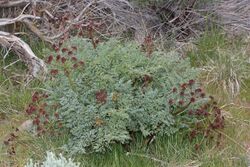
x: 35, y: 65
x: 7, y: 21
x: 20, y: 3
x: 7, y: 3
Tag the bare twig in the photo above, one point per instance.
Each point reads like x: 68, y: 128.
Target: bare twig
x: 11, y: 64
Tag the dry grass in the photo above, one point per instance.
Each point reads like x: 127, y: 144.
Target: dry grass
x: 234, y: 15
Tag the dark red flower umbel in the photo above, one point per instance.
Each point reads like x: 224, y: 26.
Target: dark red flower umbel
x: 75, y: 66
x: 54, y: 72
x: 192, y: 100
x: 171, y: 101
x: 81, y: 63
x: 190, y: 112
x: 198, y: 90
x: 63, y: 59
x: 70, y: 53
x: 181, y: 102
x: 101, y: 96
x: 58, y: 57
x: 74, y: 58
x: 182, y: 93
x: 57, y: 49
x: 191, y: 82
x: 203, y: 95
x: 35, y: 97
x: 74, y: 48
x: 50, y: 59
x: 80, y: 33
x: 174, y: 90
x: 183, y: 86
x: 31, y: 109
x: 42, y: 111
x: 36, y: 121
x: 64, y: 50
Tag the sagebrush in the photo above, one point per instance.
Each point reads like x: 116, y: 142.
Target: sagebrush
x: 51, y: 160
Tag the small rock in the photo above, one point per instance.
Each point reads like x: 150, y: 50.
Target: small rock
x: 26, y: 126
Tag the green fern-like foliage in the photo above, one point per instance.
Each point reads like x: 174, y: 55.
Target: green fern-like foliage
x: 104, y: 94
